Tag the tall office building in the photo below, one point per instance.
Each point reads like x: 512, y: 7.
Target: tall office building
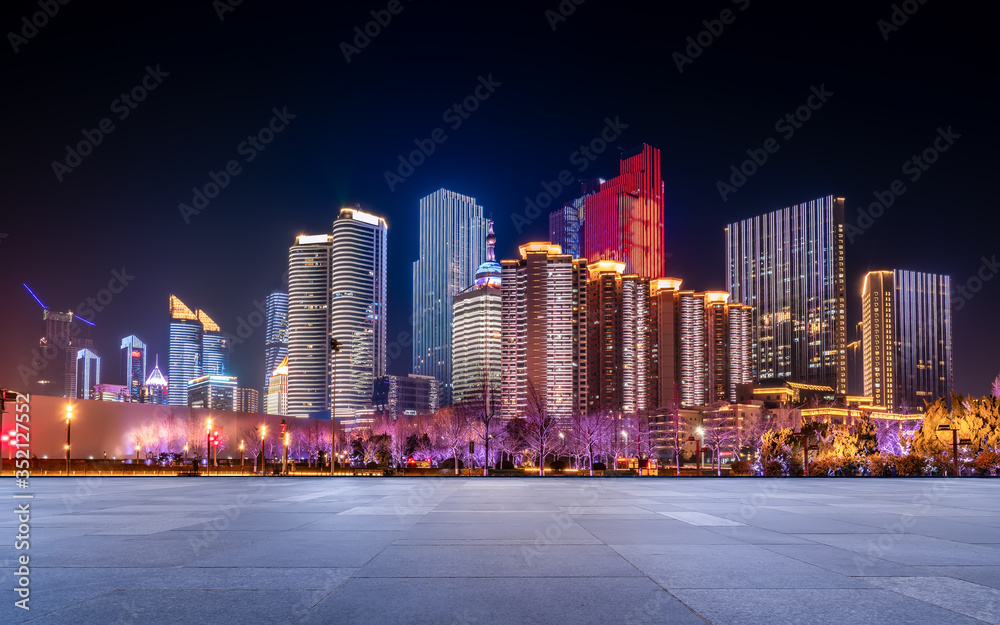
x: 132, y: 366
x: 185, y: 350
x: 699, y: 346
x: 452, y: 246
x: 566, y: 223
x: 88, y: 374
x: 407, y: 395
x: 155, y: 391
x: 276, y: 333
x: 906, y: 327
x: 618, y: 339
x: 543, y: 332
x: 788, y: 265
x: 216, y: 392
x: 214, y: 347
x: 358, y: 296
x: 276, y: 400
x: 623, y: 221
x: 65, y: 335
x: 247, y: 400
x: 111, y: 392
x: 308, y: 325
x: 197, y: 347
x: 475, y: 348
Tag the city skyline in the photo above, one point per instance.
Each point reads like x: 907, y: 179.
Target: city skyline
x: 711, y: 124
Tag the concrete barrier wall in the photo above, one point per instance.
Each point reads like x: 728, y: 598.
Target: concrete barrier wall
x: 100, y: 427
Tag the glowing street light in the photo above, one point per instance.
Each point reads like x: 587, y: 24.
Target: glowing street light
x: 69, y: 417
x: 263, y: 458
x: 241, y: 455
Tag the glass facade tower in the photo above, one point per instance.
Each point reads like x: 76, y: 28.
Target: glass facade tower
x: 788, y: 266
x: 452, y: 246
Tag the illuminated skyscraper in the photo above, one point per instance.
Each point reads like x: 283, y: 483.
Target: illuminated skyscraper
x: 617, y: 339
x: 452, y: 246
x: 217, y: 392
x: 566, y: 223
x: 185, y: 350
x: 623, y: 221
x: 276, y: 333
x: 543, y: 331
x: 475, y: 351
x: 906, y: 328
x: 214, y: 347
x: 276, y: 401
x: 358, y: 295
x: 197, y: 347
x: 788, y: 265
x: 133, y: 366
x: 699, y: 345
x: 155, y: 389
x: 308, y: 325
x: 88, y: 373
x: 247, y: 400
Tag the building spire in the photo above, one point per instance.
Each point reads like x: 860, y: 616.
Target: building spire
x: 491, y: 241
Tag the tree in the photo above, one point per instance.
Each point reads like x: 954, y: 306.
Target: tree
x: 396, y: 432
x: 486, y: 407
x: 588, y: 434
x: 719, y: 432
x: 451, y: 425
x: 251, y: 439
x: 640, y: 434
x: 514, y: 439
x: 676, y: 438
x: 542, y: 429
x: 996, y: 386
x: 926, y: 441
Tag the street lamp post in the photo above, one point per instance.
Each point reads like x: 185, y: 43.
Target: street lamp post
x: 334, y: 350
x: 69, y: 417
x: 208, y: 444
x: 185, y: 452
x: 263, y: 464
x: 241, y: 456
x: 625, y: 439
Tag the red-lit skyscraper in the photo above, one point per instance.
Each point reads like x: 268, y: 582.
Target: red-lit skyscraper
x: 624, y: 220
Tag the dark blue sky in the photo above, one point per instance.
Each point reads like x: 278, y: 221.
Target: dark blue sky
x: 552, y: 91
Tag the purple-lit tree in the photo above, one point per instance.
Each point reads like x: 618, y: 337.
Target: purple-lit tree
x: 542, y: 433
x: 588, y: 435
x: 995, y: 390
x: 251, y: 443
x: 719, y: 432
x: 451, y: 427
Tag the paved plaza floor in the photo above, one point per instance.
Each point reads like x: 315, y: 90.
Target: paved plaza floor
x: 474, y: 551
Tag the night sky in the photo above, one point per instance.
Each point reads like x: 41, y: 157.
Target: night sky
x: 554, y: 83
